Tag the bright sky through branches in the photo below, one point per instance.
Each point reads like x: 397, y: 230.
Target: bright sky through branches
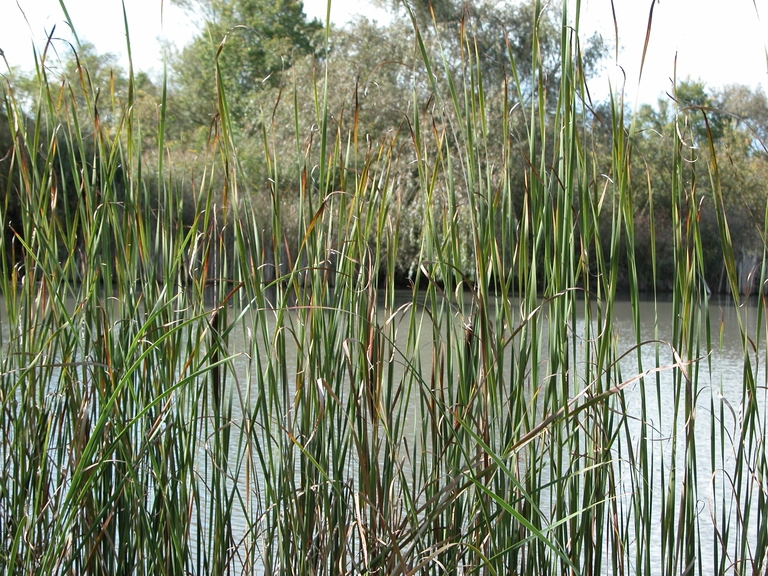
x: 720, y: 43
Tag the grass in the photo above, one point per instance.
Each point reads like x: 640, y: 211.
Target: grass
x: 180, y: 397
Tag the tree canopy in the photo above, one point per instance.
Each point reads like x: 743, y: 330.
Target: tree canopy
x: 272, y: 61
x: 253, y: 41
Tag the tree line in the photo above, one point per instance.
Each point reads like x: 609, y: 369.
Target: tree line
x: 255, y: 74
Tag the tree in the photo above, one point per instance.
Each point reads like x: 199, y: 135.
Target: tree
x: 501, y: 30
x: 254, y: 42
x: 731, y: 123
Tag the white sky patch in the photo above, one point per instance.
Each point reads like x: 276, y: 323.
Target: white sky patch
x: 718, y: 42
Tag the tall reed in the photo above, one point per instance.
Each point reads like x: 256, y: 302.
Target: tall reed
x: 210, y: 395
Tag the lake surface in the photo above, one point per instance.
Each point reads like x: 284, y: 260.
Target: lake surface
x: 718, y: 388
x: 716, y: 381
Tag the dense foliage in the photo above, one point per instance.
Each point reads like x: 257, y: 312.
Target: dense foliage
x: 209, y: 364
x: 265, y: 62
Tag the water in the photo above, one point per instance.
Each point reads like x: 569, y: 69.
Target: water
x: 717, y: 389
x: 718, y: 384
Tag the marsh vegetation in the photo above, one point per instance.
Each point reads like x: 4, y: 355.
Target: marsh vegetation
x: 210, y: 363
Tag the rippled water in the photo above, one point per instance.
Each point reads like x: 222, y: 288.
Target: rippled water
x: 717, y: 380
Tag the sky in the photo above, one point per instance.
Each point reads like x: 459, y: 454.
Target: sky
x: 715, y: 41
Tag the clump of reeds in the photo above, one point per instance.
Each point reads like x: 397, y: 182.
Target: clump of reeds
x: 185, y: 395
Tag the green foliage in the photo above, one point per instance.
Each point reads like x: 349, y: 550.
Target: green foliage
x: 732, y: 119
x: 228, y: 381
x: 376, y: 73
x: 253, y: 42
